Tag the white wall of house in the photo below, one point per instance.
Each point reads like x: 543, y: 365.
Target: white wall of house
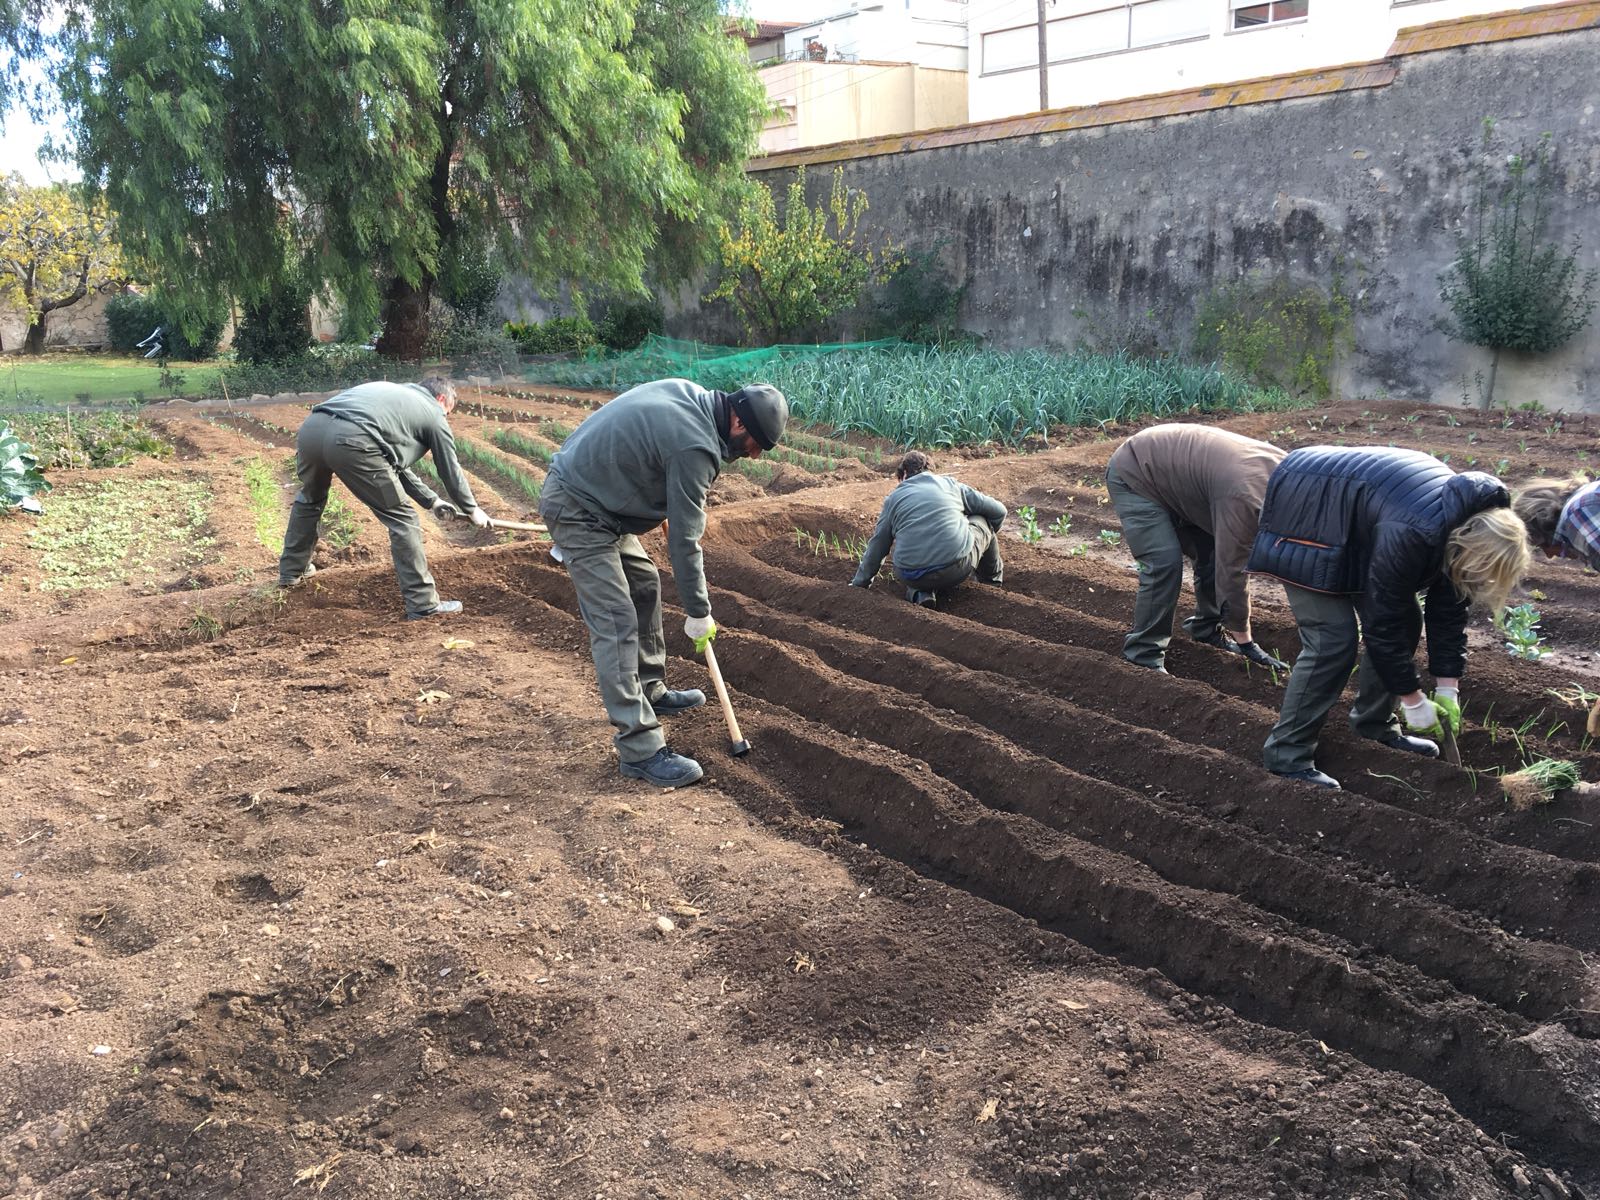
x: 823, y: 102
x: 1102, y: 50
x: 929, y: 33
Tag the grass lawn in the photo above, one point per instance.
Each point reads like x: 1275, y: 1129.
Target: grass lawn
x: 63, y: 379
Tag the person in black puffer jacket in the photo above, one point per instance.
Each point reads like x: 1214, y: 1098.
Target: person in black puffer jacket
x: 1355, y: 534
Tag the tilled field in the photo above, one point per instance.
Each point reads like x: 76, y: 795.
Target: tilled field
x: 988, y: 912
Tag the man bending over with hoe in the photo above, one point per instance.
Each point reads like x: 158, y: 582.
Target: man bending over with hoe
x: 1191, y: 491
x: 370, y: 436
x: 942, y: 531
x: 650, y: 454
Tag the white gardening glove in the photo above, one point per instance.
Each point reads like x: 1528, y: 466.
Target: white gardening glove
x: 700, y: 631
x: 443, y: 509
x: 479, y: 518
x: 1423, y: 716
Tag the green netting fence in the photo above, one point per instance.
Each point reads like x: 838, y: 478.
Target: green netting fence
x: 915, y: 395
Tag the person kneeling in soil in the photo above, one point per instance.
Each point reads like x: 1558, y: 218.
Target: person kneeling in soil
x: 1563, y: 517
x: 370, y: 436
x: 651, y: 453
x: 1191, y: 491
x: 1355, y: 534
x: 942, y: 531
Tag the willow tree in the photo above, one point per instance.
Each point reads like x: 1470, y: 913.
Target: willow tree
x: 564, y: 133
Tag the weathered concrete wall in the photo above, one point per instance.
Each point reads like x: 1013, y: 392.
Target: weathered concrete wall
x: 1063, y: 235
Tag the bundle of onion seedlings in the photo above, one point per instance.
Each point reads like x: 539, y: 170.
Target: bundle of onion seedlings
x: 1538, y: 782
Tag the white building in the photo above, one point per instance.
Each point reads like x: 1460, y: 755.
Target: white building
x: 870, y: 69
x: 1101, y: 50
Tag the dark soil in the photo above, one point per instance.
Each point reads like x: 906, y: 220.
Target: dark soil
x: 338, y: 903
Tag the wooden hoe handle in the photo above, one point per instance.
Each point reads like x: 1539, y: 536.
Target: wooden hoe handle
x: 737, y: 745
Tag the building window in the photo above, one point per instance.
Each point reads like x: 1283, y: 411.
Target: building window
x: 1090, y: 27
x: 1248, y: 13
x: 1010, y: 49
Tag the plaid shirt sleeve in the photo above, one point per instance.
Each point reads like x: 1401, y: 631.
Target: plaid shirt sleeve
x: 1578, y: 531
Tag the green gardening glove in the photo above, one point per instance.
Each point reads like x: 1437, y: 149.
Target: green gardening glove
x: 1449, y: 706
x: 700, y: 631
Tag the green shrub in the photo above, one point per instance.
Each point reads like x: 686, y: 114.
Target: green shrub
x: 479, y: 350
x: 559, y: 335
x: 130, y: 319
x: 276, y: 327
x: 469, y: 282
x: 920, y: 302
x: 323, y: 368
x: 1510, y: 287
x: 1276, y: 333
x: 627, y: 322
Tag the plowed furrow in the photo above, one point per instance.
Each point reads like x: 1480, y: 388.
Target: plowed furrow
x: 1103, y: 682
x: 1538, y: 1080
x: 1554, y: 898
x: 1535, y: 979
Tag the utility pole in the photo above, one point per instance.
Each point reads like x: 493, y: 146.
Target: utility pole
x: 1044, y: 63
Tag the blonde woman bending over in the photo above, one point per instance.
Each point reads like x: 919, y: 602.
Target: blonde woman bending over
x: 1355, y: 534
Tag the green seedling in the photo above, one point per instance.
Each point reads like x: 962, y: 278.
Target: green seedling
x: 1110, y: 537
x: 1061, y: 526
x: 503, y: 473
x: 522, y: 446
x: 1520, y: 625
x: 1028, y: 521
x: 266, y: 504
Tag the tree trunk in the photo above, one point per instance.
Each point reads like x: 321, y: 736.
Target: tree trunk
x: 34, y: 342
x: 405, y: 320
x: 1494, y: 369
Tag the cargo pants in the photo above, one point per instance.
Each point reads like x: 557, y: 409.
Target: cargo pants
x: 325, y: 447
x: 1330, y: 642
x: 619, y: 597
x: 1159, y: 544
x: 983, y: 561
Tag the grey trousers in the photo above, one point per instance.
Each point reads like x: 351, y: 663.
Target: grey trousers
x: 326, y: 447
x: 619, y: 595
x: 1159, y: 544
x: 1330, y: 641
x: 984, y: 562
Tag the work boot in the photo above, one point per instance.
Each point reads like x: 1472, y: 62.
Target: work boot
x: 670, y: 703
x: 311, y: 569
x: 1158, y: 668
x: 997, y: 579
x: 442, y: 609
x: 1413, y: 745
x: 1221, y: 639
x: 664, y: 769
x: 921, y: 599
x: 1312, y: 776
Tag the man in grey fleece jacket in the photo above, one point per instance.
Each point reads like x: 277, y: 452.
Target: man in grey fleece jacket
x: 650, y: 454
x: 370, y: 436
x: 942, y: 531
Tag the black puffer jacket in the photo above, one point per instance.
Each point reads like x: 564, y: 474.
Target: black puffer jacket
x: 1372, y: 523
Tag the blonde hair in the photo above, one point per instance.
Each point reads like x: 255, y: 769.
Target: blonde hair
x: 1539, y: 504
x: 1486, y: 556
